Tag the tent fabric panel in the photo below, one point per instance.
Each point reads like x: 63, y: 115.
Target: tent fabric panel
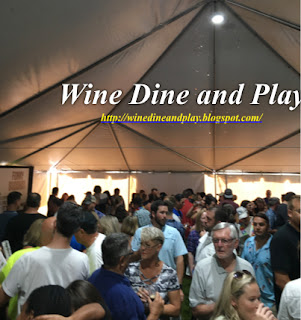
x: 288, y: 11
x: 283, y: 39
x: 102, y: 159
x: 59, y: 57
x: 42, y: 140
x: 187, y: 64
x: 127, y: 68
x: 157, y: 160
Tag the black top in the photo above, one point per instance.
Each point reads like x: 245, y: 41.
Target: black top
x: 4, y: 218
x: 281, y: 215
x: 18, y: 226
x: 284, y: 254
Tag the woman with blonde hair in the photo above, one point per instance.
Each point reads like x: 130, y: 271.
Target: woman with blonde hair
x: 151, y: 275
x: 240, y: 299
x: 108, y: 225
x: 129, y: 226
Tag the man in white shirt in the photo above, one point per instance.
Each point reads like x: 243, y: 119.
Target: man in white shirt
x: 57, y: 263
x: 88, y: 236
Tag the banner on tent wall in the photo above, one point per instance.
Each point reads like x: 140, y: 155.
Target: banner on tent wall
x: 14, y: 179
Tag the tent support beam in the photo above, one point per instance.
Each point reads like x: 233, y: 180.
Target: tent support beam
x: 80, y: 141
x: 213, y: 125
x: 98, y: 62
x: 282, y: 21
x: 261, y: 39
x: 54, y: 142
x: 119, y: 146
x: 164, y: 147
x: 262, y: 149
x: 34, y: 134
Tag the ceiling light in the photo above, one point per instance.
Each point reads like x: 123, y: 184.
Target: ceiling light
x: 217, y: 19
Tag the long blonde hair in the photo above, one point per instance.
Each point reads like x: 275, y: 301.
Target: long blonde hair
x: 233, y: 288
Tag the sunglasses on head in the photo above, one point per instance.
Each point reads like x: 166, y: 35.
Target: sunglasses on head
x: 240, y: 274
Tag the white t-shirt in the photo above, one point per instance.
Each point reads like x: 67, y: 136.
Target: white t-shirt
x: 94, y: 253
x: 42, y: 267
x: 289, y: 308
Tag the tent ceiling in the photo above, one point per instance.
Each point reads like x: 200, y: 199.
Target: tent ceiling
x: 117, y: 44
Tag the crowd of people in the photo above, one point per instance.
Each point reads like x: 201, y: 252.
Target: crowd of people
x: 98, y: 260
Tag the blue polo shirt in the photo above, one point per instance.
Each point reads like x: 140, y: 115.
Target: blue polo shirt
x: 120, y: 298
x: 173, y: 245
x: 261, y: 262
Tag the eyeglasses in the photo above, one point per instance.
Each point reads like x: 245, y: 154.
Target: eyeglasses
x: 147, y: 246
x: 223, y: 241
x: 240, y: 274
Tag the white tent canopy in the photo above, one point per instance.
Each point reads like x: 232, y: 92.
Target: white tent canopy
x: 115, y: 44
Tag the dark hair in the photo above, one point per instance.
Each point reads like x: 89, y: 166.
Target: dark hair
x: 288, y: 196
x: 156, y: 204
x: 244, y: 203
x: 262, y: 215
x: 209, y: 199
x: 97, y: 189
x: 13, y: 196
x: 71, y: 197
x: 120, y: 213
x: 88, y: 222
x: 162, y: 195
x: 116, y: 190
x: 202, y: 194
x: 221, y: 215
x: 137, y: 201
x: 68, y: 219
x: 55, y: 190
x: 33, y: 200
x: 179, y: 197
x: 82, y: 292
x: 113, y: 248
x: 51, y: 299
x: 187, y: 193
x: 231, y: 212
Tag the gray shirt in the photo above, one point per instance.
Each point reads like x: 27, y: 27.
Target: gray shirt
x: 208, y: 279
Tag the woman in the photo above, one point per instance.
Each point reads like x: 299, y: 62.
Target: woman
x: 51, y: 299
x: 129, y: 226
x: 151, y: 273
x: 239, y: 299
x: 108, y: 225
x: 194, y: 236
x: 82, y: 292
x: 257, y: 251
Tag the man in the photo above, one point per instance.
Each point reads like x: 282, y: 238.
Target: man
x: 18, y: 225
x: 115, y: 288
x: 228, y: 198
x: 170, y: 221
x: 210, y: 273
x: 101, y: 199
x: 205, y: 248
x: 271, y: 212
x: 141, y: 213
x: 281, y: 211
x: 57, y: 263
x: 89, y: 204
x: 257, y: 252
x: 52, y: 202
x: 13, y: 204
x: 245, y: 226
x: 46, y: 235
x: 268, y: 194
x: 178, y: 205
x: 173, y: 248
x: 285, y: 247
x: 88, y: 236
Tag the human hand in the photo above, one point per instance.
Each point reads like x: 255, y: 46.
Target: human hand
x: 143, y: 294
x: 264, y: 313
x: 181, y: 295
x: 156, y: 307
x: 51, y: 317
